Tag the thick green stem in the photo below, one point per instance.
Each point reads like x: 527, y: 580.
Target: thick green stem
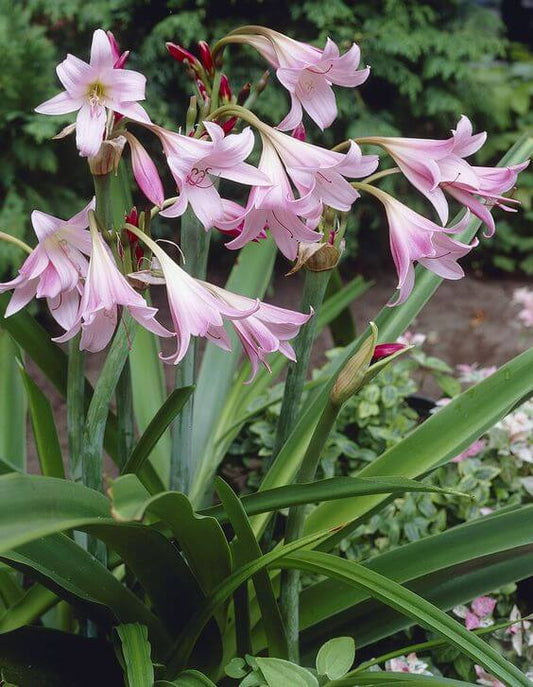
x: 125, y: 422
x: 195, y: 246
x: 312, y: 297
x: 75, y: 407
x: 290, y: 579
x: 104, y: 207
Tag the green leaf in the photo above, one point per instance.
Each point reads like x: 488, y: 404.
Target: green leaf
x: 408, y: 603
x: 279, y: 673
x: 467, y: 545
x: 190, y: 678
x: 247, y: 550
x: 34, y: 506
x: 323, y: 490
x: 250, y: 277
x: 336, y: 657
x: 44, y: 428
x: 36, y: 601
x: 441, y: 437
x: 139, y: 671
x: 149, y: 395
x: 156, y: 429
x: 185, y: 643
x: 12, y: 405
x: 58, y: 563
x: 200, y: 537
x: 380, y: 679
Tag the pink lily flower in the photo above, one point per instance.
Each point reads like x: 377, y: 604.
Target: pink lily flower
x: 319, y: 174
x: 414, y: 238
x: 55, y: 267
x: 437, y: 166
x: 265, y: 330
x: 195, y: 165
x: 91, y: 88
x: 104, y: 290
x: 308, y: 74
x: 194, y: 309
x: 271, y: 206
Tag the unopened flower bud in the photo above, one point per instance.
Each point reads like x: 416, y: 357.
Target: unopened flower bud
x: 299, y: 132
x: 243, y: 94
x: 229, y: 124
x: 202, y: 89
x: 352, y: 376
x: 118, y: 57
x: 224, y: 91
x: 192, y: 114
x: 180, y: 54
x: 262, y: 83
x: 316, y: 257
x: 385, y: 350
x: 205, y: 57
x: 108, y: 157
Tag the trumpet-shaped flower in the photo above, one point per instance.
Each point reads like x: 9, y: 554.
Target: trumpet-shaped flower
x: 437, y: 166
x: 271, y: 206
x: 55, y: 267
x: 319, y: 174
x: 145, y: 171
x: 196, y: 165
x: 265, y: 330
x: 198, y: 308
x: 104, y: 290
x: 414, y: 238
x: 91, y: 88
x: 308, y: 74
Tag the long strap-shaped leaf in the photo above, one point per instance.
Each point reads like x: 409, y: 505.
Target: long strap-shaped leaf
x: 391, y: 323
x: 249, y: 550
x: 504, y: 531
x: 138, y: 668
x: 409, y: 603
x: 182, y: 648
x: 155, y: 430
x: 396, y: 680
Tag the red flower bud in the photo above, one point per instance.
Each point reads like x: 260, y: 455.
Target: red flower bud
x: 229, y: 124
x: 224, y: 91
x: 133, y: 217
x: 244, y: 93
x: 180, y: 54
x: 385, y: 350
x: 205, y: 56
x: 202, y: 89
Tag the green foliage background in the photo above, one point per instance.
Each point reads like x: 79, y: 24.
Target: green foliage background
x: 431, y: 62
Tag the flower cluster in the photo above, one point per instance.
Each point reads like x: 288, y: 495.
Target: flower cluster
x: 294, y: 192
x: 479, y: 614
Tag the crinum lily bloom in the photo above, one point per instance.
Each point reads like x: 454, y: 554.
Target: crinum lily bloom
x: 319, y: 174
x: 197, y: 163
x: 105, y: 289
x: 198, y: 308
x: 438, y: 166
x: 306, y: 72
x: 91, y: 88
x: 266, y: 330
x: 414, y: 238
x: 55, y: 267
x: 271, y: 206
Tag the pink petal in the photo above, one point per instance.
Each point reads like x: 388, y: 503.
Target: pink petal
x: 101, y: 52
x: 145, y: 172
x: 134, y: 111
x: 127, y: 85
x: 75, y: 75
x: 90, y: 127
x: 62, y: 103
x: 318, y: 99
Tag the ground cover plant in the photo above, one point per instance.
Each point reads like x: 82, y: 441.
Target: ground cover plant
x: 163, y: 574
